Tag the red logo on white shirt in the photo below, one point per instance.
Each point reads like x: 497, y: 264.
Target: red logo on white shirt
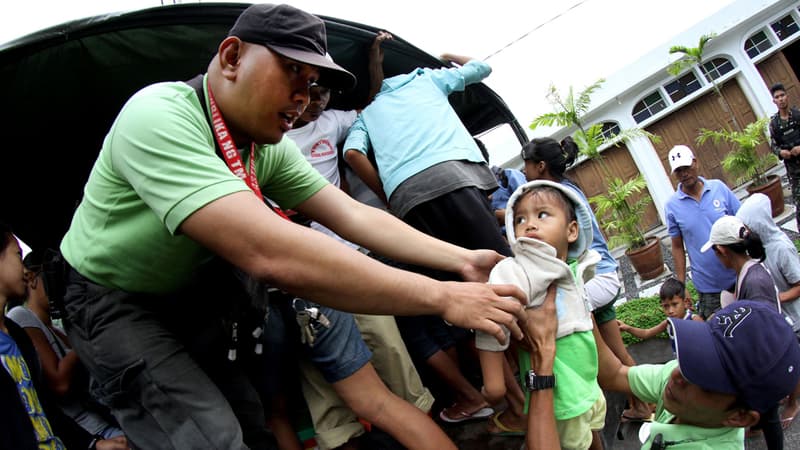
x: 322, y: 148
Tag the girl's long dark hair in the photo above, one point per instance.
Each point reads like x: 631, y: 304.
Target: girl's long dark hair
x: 557, y: 156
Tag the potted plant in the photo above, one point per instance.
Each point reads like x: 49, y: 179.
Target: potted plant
x: 745, y: 163
x: 619, y: 212
x: 621, y: 217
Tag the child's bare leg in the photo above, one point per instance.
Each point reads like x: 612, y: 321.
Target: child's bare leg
x: 597, y: 441
x: 469, y: 400
x: 370, y: 399
x: 512, y: 418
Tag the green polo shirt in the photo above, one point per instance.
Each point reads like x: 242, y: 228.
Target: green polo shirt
x: 157, y: 166
x: 647, y: 382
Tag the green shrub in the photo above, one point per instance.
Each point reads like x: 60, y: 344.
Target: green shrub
x: 642, y: 313
x: 692, y: 291
x: 646, y: 312
x: 797, y: 244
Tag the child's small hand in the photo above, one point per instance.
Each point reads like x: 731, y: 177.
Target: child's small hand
x: 623, y: 326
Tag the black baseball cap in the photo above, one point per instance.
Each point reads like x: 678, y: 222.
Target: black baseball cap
x: 294, y: 34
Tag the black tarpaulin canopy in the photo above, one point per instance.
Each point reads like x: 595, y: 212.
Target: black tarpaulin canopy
x: 63, y: 86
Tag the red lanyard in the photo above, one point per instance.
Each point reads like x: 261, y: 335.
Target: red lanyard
x: 231, y: 153
x: 229, y: 150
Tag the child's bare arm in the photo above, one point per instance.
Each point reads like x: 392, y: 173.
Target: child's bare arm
x: 642, y: 333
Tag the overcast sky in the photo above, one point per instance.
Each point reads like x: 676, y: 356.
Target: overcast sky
x: 566, y: 43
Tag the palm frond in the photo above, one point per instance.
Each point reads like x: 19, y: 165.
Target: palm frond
x: 701, y: 44
x: 584, y: 99
x: 679, y: 49
x: 550, y: 119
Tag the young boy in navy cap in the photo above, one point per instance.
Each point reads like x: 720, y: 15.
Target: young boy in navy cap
x: 728, y: 371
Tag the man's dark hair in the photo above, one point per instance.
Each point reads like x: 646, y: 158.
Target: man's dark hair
x: 6, y: 235
x: 776, y: 87
x: 671, y: 288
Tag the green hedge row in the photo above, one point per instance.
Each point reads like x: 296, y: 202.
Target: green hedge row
x: 644, y: 312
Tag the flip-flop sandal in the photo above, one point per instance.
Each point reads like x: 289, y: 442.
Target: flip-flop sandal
x: 465, y: 416
x: 629, y: 419
x: 504, y: 429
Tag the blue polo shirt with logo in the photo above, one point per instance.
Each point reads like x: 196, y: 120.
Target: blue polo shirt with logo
x: 692, y: 220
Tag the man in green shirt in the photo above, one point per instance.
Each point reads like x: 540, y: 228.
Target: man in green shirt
x: 728, y: 372
x: 161, y: 210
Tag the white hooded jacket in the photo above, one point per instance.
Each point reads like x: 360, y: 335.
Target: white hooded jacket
x: 782, y: 260
x: 535, y: 266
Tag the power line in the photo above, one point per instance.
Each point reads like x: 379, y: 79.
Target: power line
x: 536, y: 28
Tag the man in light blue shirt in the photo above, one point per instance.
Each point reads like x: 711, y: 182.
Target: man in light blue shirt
x: 692, y: 209
x: 426, y: 159
x: 431, y: 174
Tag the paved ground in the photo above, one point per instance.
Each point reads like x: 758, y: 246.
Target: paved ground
x: 473, y: 435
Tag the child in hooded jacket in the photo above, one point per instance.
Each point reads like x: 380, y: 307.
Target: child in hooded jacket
x: 549, y: 230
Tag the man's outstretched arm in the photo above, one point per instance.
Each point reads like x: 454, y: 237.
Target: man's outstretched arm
x: 241, y: 229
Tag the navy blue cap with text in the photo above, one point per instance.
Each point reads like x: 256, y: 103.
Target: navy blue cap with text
x: 746, y: 349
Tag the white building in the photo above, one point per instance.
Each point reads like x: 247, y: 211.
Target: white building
x: 757, y: 44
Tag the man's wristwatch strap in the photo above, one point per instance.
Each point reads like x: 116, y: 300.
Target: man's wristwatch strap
x: 536, y: 382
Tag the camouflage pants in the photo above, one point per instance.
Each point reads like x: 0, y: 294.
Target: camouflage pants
x: 793, y: 174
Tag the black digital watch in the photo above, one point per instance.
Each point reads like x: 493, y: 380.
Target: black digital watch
x: 534, y: 382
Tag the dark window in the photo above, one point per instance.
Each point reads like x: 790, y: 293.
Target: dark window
x: 650, y: 105
x: 717, y: 67
x: 785, y: 27
x: 610, y: 129
x: 683, y: 86
x: 757, y: 44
